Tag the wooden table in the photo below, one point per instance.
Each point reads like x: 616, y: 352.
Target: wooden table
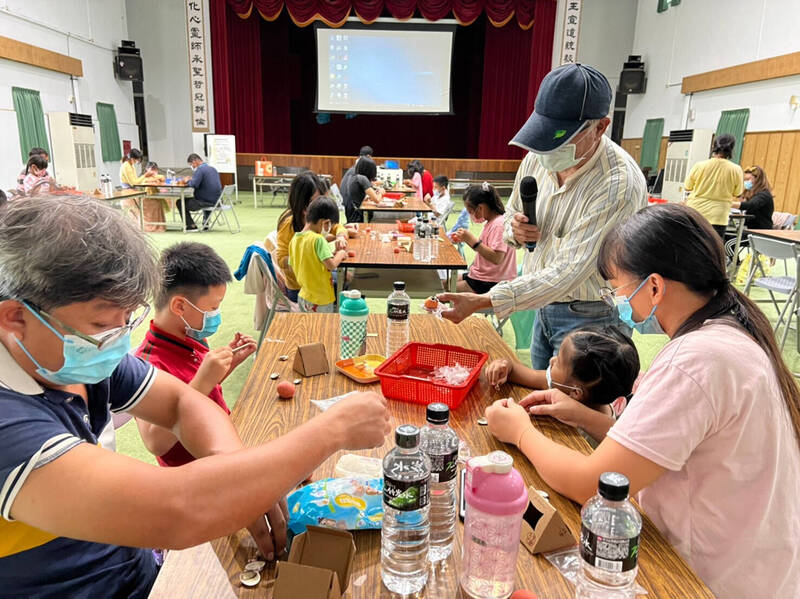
x: 779, y: 234
x: 177, y: 191
x: 412, y: 205
x: 376, y: 255
x: 212, y: 570
x: 274, y: 183
x: 125, y: 194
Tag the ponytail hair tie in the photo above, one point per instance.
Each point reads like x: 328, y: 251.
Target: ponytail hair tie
x: 485, y: 186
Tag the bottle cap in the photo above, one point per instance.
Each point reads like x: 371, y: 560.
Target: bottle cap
x: 399, y: 285
x: 437, y: 413
x: 613, y: 486
x: 406, y: 436
x: 496, y: 462
x: 352, y: 294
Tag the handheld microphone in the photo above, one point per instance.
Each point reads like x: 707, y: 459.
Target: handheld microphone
x: 528, y: 190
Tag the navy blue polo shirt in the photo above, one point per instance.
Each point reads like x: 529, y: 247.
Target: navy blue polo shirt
x: 37, y: 425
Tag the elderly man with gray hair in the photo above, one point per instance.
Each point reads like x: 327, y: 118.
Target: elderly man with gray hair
x: 74, y: 279
x: 586, y: 184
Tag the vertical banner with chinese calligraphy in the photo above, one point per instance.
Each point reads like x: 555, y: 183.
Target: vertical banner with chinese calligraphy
x: 572, y: 27
x: 198, y: 72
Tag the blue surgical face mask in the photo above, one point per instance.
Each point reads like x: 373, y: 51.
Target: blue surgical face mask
x: 84, y: 362
x: 649, y: 326
x: 211, y: 321
x: 748, y: 185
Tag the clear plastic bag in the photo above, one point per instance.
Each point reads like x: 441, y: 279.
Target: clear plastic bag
x: 568, y: 562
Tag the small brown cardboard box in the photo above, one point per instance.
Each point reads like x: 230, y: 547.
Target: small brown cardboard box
x: 311, y: 359
x: 318, y: 567
x: 542, y: 527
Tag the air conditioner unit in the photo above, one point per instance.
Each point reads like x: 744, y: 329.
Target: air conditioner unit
x: 685, y: 148
x: 72, y: 139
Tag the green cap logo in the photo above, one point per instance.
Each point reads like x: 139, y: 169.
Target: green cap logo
x: 560, y: 133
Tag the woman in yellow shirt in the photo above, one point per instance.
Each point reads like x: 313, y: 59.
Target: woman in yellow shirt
x: 715, y: 183
x: 305, y: 188
x: 127, y: 172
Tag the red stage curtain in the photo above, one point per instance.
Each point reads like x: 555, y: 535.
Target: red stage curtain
x: 514, y: 63
x: 335, y: 12
x: 220, y: 64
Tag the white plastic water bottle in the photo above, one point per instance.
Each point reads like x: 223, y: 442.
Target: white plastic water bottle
x: 440, y: 444
x: 434, y: 239
x: 398, y: 306
x: 425, y: 241
x: 405, y: 529
x: 417, y: 244
x: 609, y: 547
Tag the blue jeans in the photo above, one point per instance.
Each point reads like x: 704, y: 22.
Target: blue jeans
x: 556, y: 321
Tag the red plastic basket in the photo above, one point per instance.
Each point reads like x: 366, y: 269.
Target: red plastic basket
x: 405, y: 375
x: 393, y: 195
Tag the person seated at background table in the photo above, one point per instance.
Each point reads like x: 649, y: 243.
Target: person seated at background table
x: 586, y: 384
x: 711, y: 441
x: 73, y: 514
x: 312, y: 259
x: 714, y: 183
x: 494, y: 260
x: 37, y: 181
x: 304, y: 189
x: 127, y: 171
x: 194, y: 279
x: 358, y: 188
x: 420, y: 179
x: 756, y: 200
x: 440, y: 201
x: 207, y: 189
x: 153, y: 207
x: 365, y: 151
x: 36, y: 151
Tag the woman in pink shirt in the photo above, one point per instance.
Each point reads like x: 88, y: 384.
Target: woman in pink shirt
x: 494, y: 260
x: 711, y: 439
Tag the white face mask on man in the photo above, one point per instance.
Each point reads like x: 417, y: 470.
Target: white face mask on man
x: 562, y: 158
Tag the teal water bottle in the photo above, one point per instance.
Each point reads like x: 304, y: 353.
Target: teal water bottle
x: 353, y: 312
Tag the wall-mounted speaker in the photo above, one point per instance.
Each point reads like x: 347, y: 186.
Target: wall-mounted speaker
x: 128, y: 62
x: 632, y: 79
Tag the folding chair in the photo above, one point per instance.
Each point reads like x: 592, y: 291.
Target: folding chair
x: 779, y: 250
x: 220, y: 211
x: 276, y: 300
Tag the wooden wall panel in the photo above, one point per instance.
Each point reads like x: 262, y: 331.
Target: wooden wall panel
x: 777, y: 152
x: 39, y: 57
x: 334, y: 165
x: 759, y: 70
x: 633, y: 146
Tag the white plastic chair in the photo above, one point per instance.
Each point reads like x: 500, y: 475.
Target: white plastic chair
x: 779, y: 250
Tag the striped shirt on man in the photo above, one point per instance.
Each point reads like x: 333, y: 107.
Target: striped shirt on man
x: 573, y: 219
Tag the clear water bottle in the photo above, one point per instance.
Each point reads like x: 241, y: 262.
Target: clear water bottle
x: 609, y: 548
x: 425, y: 241
x: 417, y: 245
x: 440, y: 444
x: 406, y: 529
x: 434, y: 239
x: 496, y: 498
x: 398, y: 306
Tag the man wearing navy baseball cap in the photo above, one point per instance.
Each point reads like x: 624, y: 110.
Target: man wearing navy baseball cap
x: 586, y: 184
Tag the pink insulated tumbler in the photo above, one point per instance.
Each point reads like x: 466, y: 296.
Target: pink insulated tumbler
x: 496, y: 499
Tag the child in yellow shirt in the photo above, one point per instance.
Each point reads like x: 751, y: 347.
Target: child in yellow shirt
x: 312, y: 259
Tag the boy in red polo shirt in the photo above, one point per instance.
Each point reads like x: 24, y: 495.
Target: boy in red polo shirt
x: 195, y: 279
